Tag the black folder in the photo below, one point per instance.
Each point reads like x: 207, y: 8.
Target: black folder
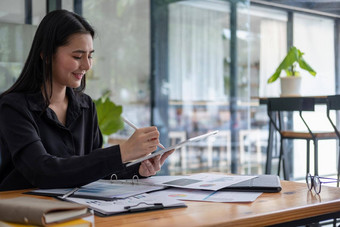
x: 261, y: 183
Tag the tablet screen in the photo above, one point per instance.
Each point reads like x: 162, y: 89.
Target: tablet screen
x: 176, y: 146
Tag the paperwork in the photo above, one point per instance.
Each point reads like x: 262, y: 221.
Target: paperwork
x: 102, y: 189
x: 122, y: 196
x: 207, y: 196
x: 142, y: 202
x: 203, y: 181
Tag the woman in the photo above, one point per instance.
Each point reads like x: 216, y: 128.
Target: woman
x: 49, y: 131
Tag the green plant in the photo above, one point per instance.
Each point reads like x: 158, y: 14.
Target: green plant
x: 109, y: 119
x: 293, y: 57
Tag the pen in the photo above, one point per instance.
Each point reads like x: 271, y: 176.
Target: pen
x: 135, y: 127
x: 129, y: 123
x: 69, y: 193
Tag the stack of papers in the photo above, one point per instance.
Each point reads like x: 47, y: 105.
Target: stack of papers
x: 203, y: 181
x: 202, y: 187
x: 101, y: 190
x: 142, y: 202
x: 158, y: 192
x: 208, y: 196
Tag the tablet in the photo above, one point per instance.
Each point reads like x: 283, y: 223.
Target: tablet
x: 176, y: 146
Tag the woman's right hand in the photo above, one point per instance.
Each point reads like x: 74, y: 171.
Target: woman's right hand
x: 141, y: 143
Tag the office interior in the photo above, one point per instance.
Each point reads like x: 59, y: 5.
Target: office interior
x: 194, y: 66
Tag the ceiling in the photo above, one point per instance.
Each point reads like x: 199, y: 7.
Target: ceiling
x: 326, y: 6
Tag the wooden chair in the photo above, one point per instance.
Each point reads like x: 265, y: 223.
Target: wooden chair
x: 300, y: 104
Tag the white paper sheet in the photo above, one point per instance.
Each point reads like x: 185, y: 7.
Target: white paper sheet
x: 208, y: 196
x: 203, y: 181
x: 142, y: 201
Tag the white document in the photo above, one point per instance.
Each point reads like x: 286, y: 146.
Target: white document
x: 208, y: 196
x: 176, y: 146
x: 203, y: 181
x: 142, y: 202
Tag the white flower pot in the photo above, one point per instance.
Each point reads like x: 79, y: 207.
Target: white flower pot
x: 290, y: 86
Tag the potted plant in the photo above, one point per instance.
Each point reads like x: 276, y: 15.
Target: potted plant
x: 109, y: 116
x: 290, y: 85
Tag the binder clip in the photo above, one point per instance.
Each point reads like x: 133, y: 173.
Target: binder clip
x: 135, y: 179
x: 152, y: 206
x: 113, y: 175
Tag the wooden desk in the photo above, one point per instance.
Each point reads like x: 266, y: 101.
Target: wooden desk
x: 294, y: 204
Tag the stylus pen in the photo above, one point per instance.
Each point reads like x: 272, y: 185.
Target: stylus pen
x: 135, y: 127
x: 69, y: 193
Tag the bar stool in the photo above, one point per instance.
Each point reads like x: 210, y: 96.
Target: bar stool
x: 291, y: 104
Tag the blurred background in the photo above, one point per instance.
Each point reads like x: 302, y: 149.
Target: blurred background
x: 193, y: 66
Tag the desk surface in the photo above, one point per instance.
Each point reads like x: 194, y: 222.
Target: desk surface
x: 292, y: 203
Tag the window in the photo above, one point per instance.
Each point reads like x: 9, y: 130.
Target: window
x: 199, y: 74
x: 12, y: 11
x: 121, y: 61
x: 15, y: 40
x: 314, y: 35
x: 268, y: 48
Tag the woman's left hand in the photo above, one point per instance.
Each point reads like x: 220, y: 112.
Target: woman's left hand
x: 151, y: 166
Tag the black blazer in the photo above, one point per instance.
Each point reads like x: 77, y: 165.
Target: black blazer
x: 38, y: 151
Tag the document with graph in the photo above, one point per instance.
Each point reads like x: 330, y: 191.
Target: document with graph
x: 101, y: 189
x: 203, y: 181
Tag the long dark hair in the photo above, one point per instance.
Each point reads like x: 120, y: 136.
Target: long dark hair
x: 53, y: 31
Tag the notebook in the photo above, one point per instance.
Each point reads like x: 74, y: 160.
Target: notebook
x: 261, y: 183
x: 34, y: 211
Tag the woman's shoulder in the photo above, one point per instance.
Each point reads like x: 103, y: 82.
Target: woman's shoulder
x: 13, y: 98
x: 84, y: 99
x: 14, y: 101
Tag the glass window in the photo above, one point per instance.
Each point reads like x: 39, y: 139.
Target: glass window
x: 67, y: 4
x: 12, y: 11
x: 38, y: 11
x: 196, y: 51
x: 15, y: 42
x: 268, y: 48
x: 121, y: 63
x: 314, y: 36
x: 199, y: 82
